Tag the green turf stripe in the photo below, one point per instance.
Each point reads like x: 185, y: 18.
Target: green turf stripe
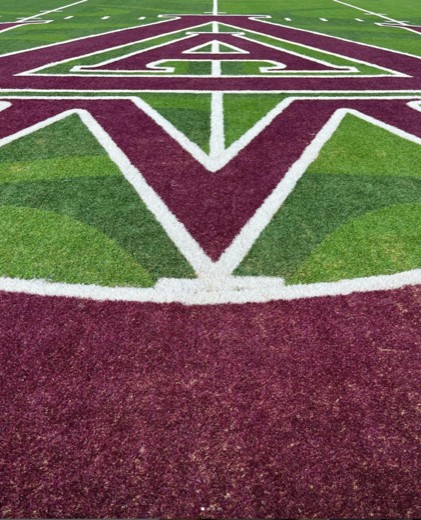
x: 90, y: 190
x: 242, y: 112
x: 360, y: 148
x: 383, y: 242
x: 39, y: 244
x: 189, y: 113
x: 363, y: 168
x: 57, y: 169
x: 66, y: 138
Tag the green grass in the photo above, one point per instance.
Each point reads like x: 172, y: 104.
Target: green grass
x: 304, y: 14
x: 37, y: 244
x: 385, y: 241
x: 189, y: 113
x: 362, y: 169
x: 42, y: 176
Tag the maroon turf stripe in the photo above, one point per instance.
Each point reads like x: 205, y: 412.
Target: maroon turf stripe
x: 9, y: 66
x: 303, y: 409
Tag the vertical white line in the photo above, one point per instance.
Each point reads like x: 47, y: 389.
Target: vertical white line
x: 216, y: 68
x: 217, y: 137
x: 215, y: 7
x: 215, y: 27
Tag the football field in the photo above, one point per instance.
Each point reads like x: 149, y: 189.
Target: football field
x: 210, y: 259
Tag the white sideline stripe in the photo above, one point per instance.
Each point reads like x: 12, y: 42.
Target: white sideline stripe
x: 366, y: 11
x: 192, y: 292
x: 52, y: 10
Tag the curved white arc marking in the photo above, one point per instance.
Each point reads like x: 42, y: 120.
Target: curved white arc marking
x: 193, y: 292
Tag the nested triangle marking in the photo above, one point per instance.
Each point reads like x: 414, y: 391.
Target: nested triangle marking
x: 215, y: 47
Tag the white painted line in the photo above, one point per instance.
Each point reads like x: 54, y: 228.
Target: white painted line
x: 215, y: 7
x: 105, y: 18
x: 288, y: 19
x: 323, y: 19
x: 217, y: 136
x: 243, y: 242
x: 204, y: 292
x: 68, y: 17
x: 141, y: 17
x: 359, y: 20
x: 53, y: 10
x: 380, y: 15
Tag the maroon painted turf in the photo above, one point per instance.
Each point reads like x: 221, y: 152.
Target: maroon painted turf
x: 303, y: 409
x: 23, y: 61
x: 213, y: 206
x: 176, y: 52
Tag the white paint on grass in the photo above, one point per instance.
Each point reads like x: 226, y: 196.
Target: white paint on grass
x: 105, y: 18
x: 236, y: 252
x: 366, y: 11
x: 216, y: 46
x: 217, y: 135
x: 53, y: 10
x: 198, y: 292
x: 157, y: 67
x: 215, y: 282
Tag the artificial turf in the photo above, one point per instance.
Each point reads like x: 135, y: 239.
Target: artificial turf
x: 284, y: 409
x: 63, y: 171
x: 362, y: 169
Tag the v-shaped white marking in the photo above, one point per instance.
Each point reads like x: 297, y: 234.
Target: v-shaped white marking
x: 219, y: 156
